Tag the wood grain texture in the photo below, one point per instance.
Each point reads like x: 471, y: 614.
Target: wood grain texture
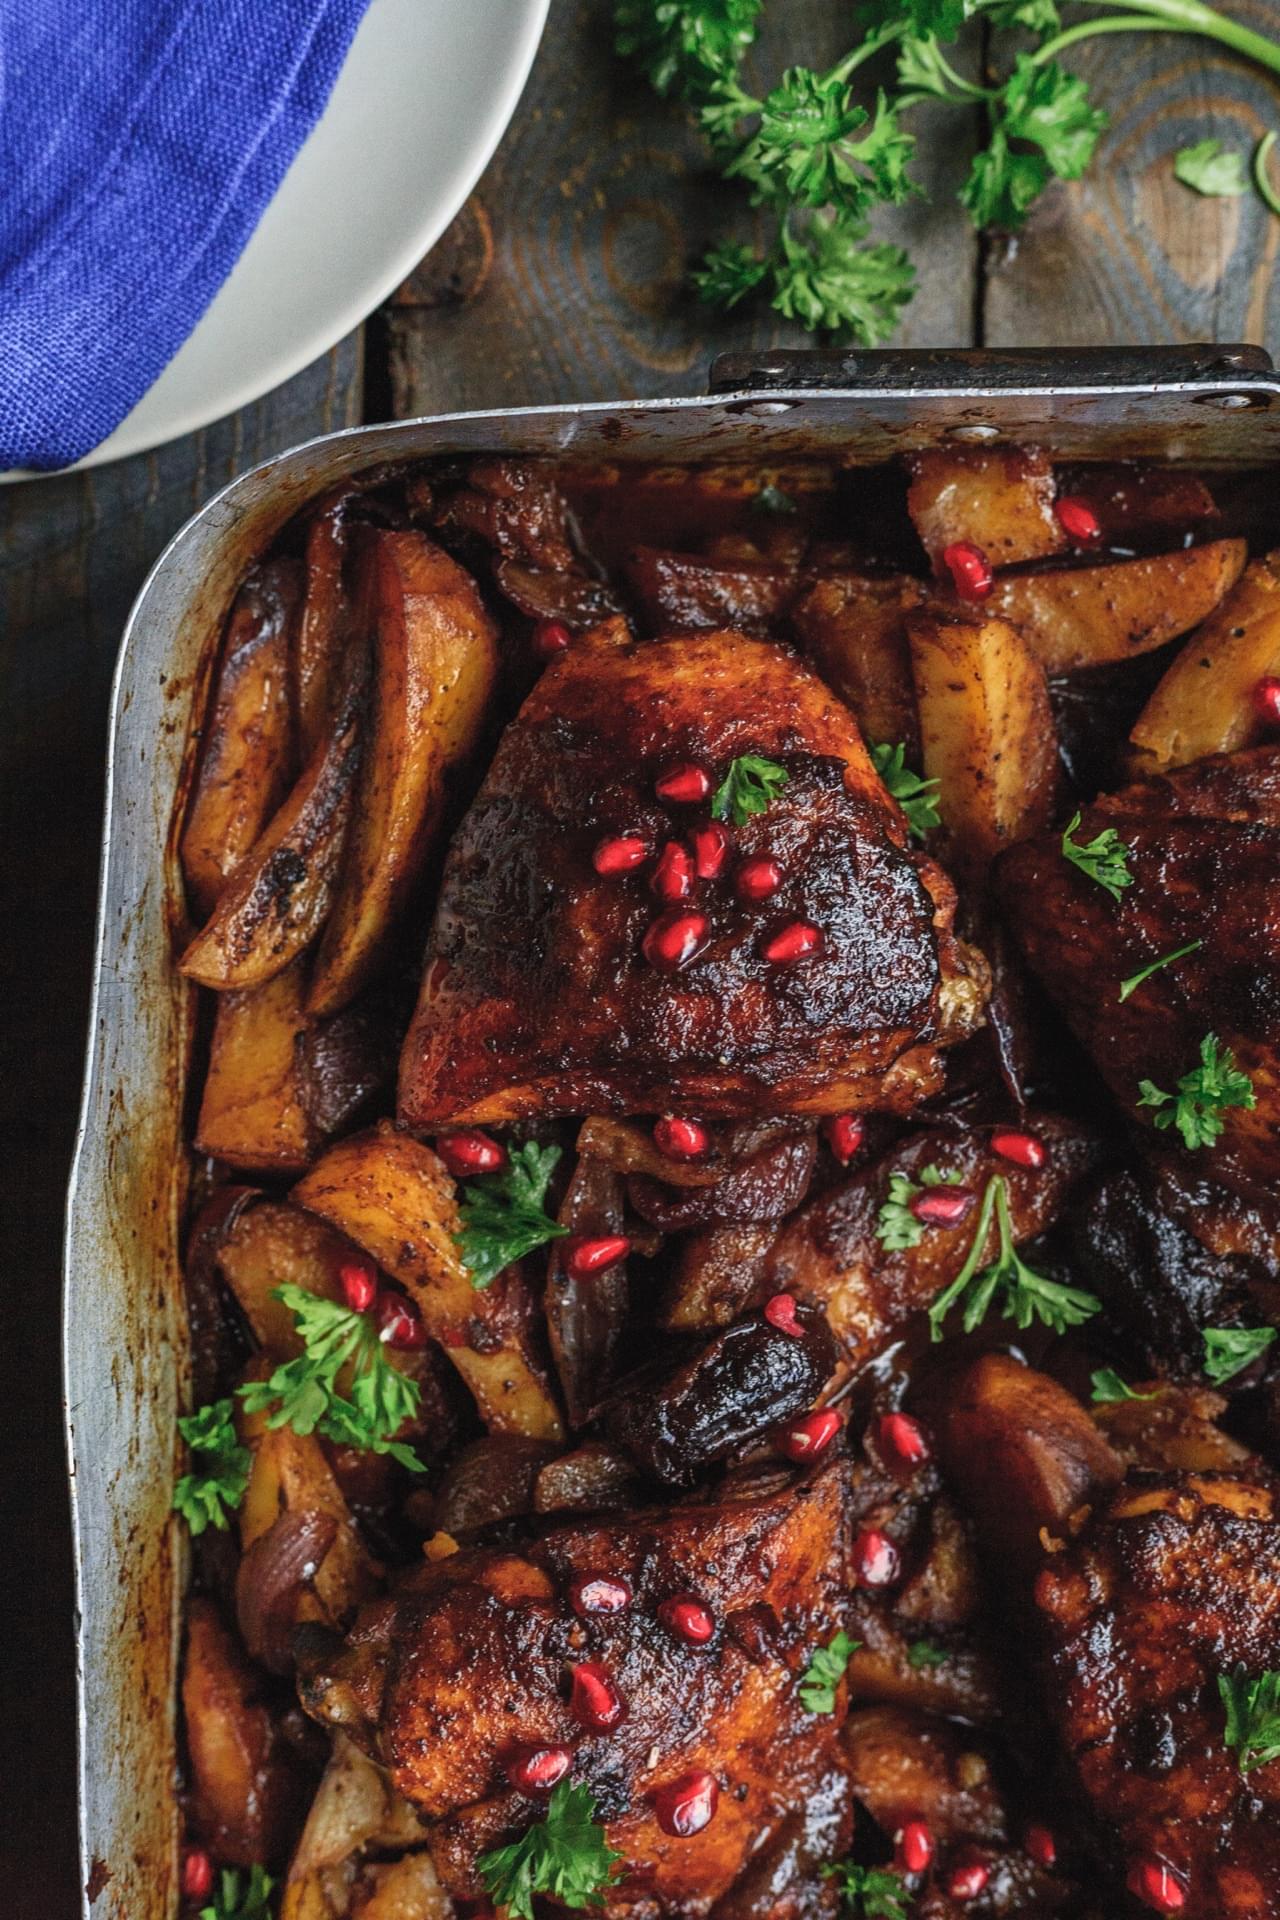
x: 600, y: 198
x: 1128, y: 253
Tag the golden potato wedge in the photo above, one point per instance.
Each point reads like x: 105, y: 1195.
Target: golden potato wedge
x: 273, y: 1244
x: 403, y: 1889
x: 252, y: 1110
x: 354, y: 1806
x: 1085, y: 616
x: 277, y: 899
x: 853, y: 627
x: 986, y: 733
x: 1000, y: 498
x: 246, y: 759
x: 1204, y: 704
x: 391, y: 1195
x: 321, y: 1896
x: 323, y: 623
x: 290, y: 1475
x: 436, y: 660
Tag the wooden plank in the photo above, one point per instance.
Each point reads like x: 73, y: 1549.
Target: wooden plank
x: 571, y: 260
x: 1128, y: 253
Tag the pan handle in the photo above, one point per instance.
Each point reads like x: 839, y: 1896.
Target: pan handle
x: 902, y: 369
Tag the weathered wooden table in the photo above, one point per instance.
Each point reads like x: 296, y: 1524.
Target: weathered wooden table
x: 563, y: 279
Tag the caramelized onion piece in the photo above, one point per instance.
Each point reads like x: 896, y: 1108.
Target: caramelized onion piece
x: 281, y: 1564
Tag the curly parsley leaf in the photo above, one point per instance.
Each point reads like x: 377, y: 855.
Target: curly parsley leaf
x: 304, y: 1393
x: 1203, y: 1096
x: 751, y: 785
x: 896, y: 1226
x: 1211, y: 169
x: 685, y: 45
x: 926, y: 1653
x: 504, y: 1214
x: 211, y: 1492
x: 565, y: 1856
x: 1229, y: 1350
x: 916, y: 797
x: 825, y: 1671
x: 237, y: 1898
x: 1109, y: 1389
x: 868, y: 1892
x: 1135, y: 980
x: 1024, y: 1295
x: 729, y: 273
x: 1253, y: 1717
x: 831, y: 282
x: 1105, y: 858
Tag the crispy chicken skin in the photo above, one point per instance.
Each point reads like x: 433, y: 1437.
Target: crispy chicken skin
x: 1204, y: 851
x: 474, y: 1658
x: 536, y: 998
x: 1174, y: 1581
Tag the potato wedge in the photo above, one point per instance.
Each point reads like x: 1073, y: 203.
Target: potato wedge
x: 252, y: 1111
x: 323, y: 623
x: 277, y: 899
x: 391, y: 1195
x: 290, y: 1475
x: 1204, y: 704
x: 986, y: 733
x: 436, y: 660
x: 403, y: 1889
x: 1000, y: 498
x: 246, y: 758
x: 1085, y: 616
x: 853, y: 627
x: 272, y: 1244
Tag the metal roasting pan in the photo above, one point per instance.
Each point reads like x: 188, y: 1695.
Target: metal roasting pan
x: 124, y: 1332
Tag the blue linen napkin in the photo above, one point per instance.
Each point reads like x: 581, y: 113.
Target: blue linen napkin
x: 140, y: 141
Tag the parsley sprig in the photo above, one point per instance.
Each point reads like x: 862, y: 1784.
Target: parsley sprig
x: 211, y: 1492
x: 751, y: 785
x: 303, y: 1393
x: 1212, y: 169
x: 1204, y: 1094
x: 1105, y: 858
x: 238, y: 1899
x: 918, y: 798
x: 1109, y: 1389
x: 819, y: 157
x: 1229, y: 1350
x: 869, y: 1892
x: 896, y: 1226
x: 565, y: 1856
x: 825, y: 1671
x: 1024, y: 1295
x: 1253, y: 1717
x: 504, y: 1214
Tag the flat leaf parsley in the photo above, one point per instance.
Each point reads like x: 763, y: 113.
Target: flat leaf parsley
x: 869, y: 1892
x: 825, y: 1671
x: 1109, y: 1389
x: 211, y: 1492
x: 896, y: 1225
x: 916, y: 797
x: 751, y: 785
x: 1105, y: 858
x: 1253, y: 1717
x: 1229, y: 1350
x: 504, y: 1214
x: 238, y: 1899
x: 1024, y: 1295
x: 1203, y: 1096
x: 565, y: 1856
x: 1211, y: 169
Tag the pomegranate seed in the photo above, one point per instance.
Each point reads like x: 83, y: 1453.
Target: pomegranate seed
x: 1022, y: 1148
x: 844, y: 1134
x: 875, y: 1559
x: 942, y: 1206
x: 688, y: 1619
x: 538, y: 1769
x: 1077, y: 518
x: 805, y: 1439
x: 595, y: 1702
x: 710, y: 851
x: 796, y: 941
x: 400, y: 1324
x: 780, y: 1312
x: 551, y: 637
x: 584, y: 1257
x: 1266, y: 698
x: 757, y: 879
x: 599, y: 1593
x: 688, y: 1805
x: 680, y: 1139
x: 197, y: 1873
x: 359, y: 1286
x: 900, y: 1438
x: 1042, y: 1847
x: 969, y: 569
x: 620, y: 854
x: 968, y: 1880
x: 686, y: 784
x: 1157, y: 1886
x: 672, y: 878
x: 469, y: 1153
x: 675, y: 939
x: 915, y: 1846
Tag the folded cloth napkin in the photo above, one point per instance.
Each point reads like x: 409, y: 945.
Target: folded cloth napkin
x: 141, y: 141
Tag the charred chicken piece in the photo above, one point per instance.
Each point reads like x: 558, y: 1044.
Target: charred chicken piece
x: 1204, y: 855
x: 474, y: 1660
x: 551, y: 988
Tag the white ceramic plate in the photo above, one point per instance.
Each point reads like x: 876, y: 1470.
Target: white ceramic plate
x: 424, y: 98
